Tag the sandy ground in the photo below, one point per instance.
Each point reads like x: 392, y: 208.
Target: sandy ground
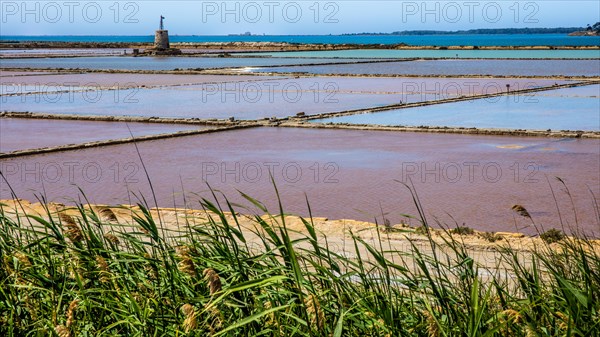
x: 337, y: 234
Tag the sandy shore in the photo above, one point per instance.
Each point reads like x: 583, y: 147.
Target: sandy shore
x: 484, y: 247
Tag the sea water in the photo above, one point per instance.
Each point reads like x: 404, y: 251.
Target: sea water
x: 415, y: 40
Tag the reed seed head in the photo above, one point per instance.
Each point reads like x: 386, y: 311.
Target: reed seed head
x: 101, y: 263
x: 213, y: 280
x: 186, y: 264
x: 66, y: 219
x: 103, y: 268
x: 112, y: 238
x: 23, y: 260
x: 71, y: 312
x: 521, y: 211
x: 107, y: 214
x: 512, y: 316
x: 72, y: 229
x: 189, y: 322
x: 62, y: 331
x: 564, y: 321
x: 433, y: 330
x: 314, y: 311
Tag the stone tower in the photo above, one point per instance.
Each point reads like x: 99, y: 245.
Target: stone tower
x: 161, y: 37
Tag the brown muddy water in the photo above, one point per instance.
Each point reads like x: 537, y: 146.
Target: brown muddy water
x: 460, y: 179
x: 22, y: 134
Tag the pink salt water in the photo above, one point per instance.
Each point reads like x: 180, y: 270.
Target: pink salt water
x: 120, y: 80
x: 460, y: 179
x: 22, y: 134
x: 257, y: 97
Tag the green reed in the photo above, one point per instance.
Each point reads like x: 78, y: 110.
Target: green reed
x: 90, y: 275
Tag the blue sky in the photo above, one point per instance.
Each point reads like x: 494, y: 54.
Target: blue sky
x: 284, y: 17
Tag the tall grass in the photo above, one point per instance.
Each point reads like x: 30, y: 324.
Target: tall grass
x: 81, y: 272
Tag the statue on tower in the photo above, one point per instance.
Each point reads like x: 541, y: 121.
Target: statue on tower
x: 161, y: 41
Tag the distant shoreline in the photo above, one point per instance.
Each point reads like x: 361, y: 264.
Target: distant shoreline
x: 547, y: 40
x: 250, y: 46
x: 496, y: 31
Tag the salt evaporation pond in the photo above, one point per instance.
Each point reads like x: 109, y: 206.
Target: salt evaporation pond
x: 47, y: 89
x: 344, y: 173
x: 23, y: 134
x: 263, y: 98
x: 564, y: 109
x: 12, y: 73
x: 197, y: 103
x: 441, y: 53
x: 590, y: 68
x: 63, y: 52
x: 161, y: 63
x: 118, y: 80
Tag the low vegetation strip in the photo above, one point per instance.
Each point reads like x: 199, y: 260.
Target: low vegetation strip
x: 133, y: 271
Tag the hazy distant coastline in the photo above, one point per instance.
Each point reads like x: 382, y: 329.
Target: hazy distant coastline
x: 559, y: 30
